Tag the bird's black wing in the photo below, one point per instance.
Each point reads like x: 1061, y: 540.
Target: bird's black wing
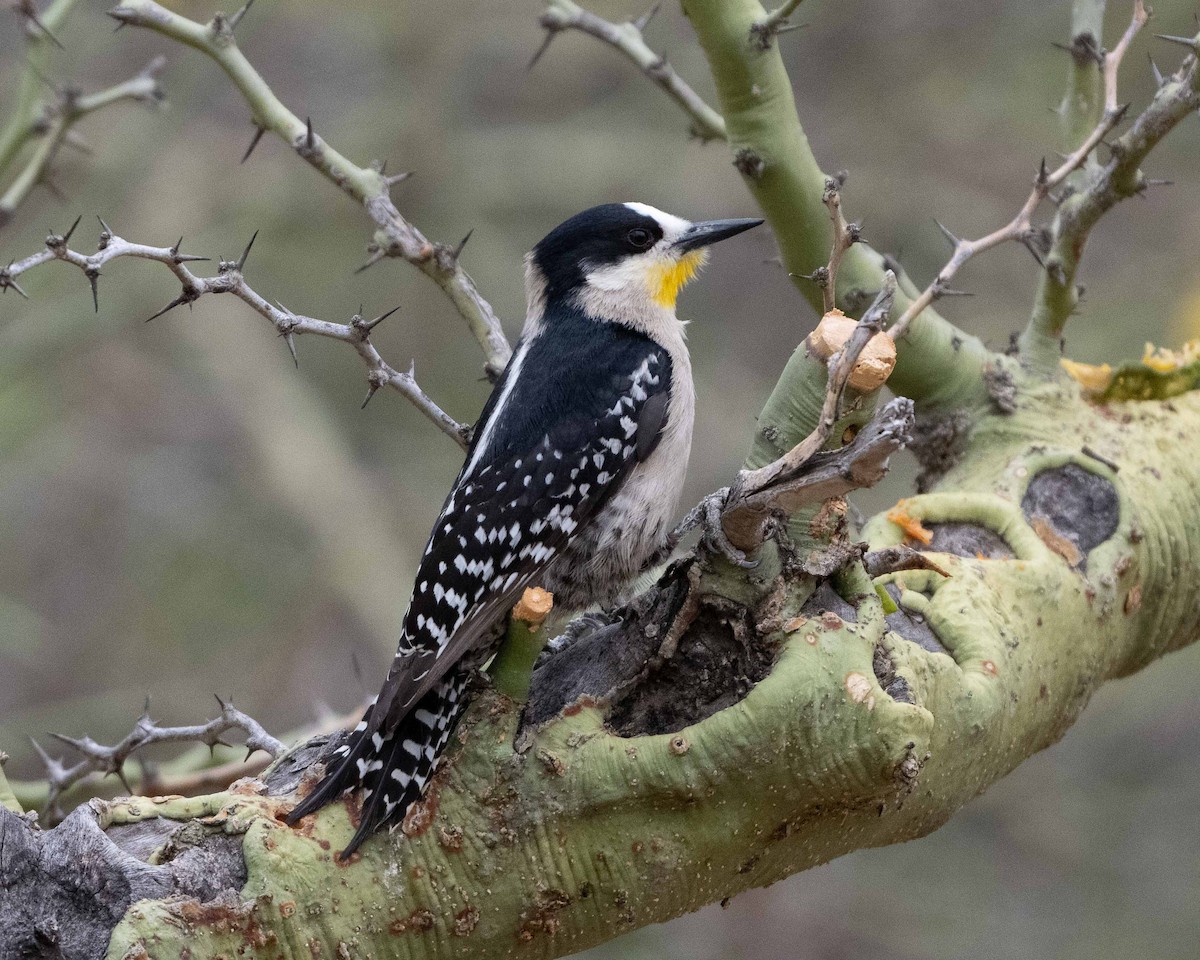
x: 561, y: 432
x: 570, y: 419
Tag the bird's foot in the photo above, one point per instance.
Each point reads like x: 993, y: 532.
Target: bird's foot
x: 707, y: 516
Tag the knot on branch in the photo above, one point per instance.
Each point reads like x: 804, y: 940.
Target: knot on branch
x: 749, y: 163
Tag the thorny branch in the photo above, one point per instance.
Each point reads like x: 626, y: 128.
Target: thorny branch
x: 1021, y: 227
x: 397, y: 236
x: 845, y: 235
x: 99, y: 759
x: 230, y: 279
x: 54, y: 122
x: 560, y: 15
x: 1177, y: 97
x: 196, y: 771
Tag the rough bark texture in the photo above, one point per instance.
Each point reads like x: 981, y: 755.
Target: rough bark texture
x: 862, y: 729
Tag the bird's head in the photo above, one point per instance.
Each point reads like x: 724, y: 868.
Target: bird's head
x: 625, y: 262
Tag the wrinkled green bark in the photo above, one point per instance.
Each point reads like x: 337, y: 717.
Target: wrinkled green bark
x: 588, y: 834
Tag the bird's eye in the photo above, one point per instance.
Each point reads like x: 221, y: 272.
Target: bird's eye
x: 640, y: 238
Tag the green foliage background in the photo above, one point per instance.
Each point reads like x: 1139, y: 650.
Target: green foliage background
x: 182, y: 512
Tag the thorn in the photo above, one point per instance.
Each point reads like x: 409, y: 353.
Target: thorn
x: 186, y: 297
x: 67, y: 236
x: 6, y: 281
x: 462, y: 244
x: 106, y: 232
x: 642, y: 22
x: 1043, y: 175
x: 820, y: 276
x: 184, y: 257
x: 1189, y: 42
x: 237, y: 17
x: 1149, y: 182
x: 93, y: 275
x: 120, y: 772
x: 951, y: 238
x: 258, y: 135
x: 396, y: 178
x: 789, y: 27
x: 290, y: 340
x: 372, y: 387
x: 372, y: 324
x: 245, y: 253
x: 1159, y: 80
x: 375, y: 256
x: 551, y: 32
x: 310, y: 140
x: 949, y: 292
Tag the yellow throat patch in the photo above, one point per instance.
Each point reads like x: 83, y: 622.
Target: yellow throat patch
x: 666, y: 280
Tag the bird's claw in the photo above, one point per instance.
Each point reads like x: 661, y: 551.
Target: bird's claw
x: 713, y: 537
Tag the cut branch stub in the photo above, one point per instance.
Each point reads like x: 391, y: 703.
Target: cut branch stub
x: 874, y: 364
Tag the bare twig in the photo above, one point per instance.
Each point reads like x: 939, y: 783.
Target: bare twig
x: 230, y: 279
x: 54, y: 122
x: 99, y: 759
x: 763, y: 33
x: 397, y: 236
x: 1021, y: 226
x: 845, y: 235
x: 627, y: 37
x: 196, y: 771
x: 841, y: 364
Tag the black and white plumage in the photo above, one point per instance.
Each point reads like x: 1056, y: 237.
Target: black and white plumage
x: 570, y: 483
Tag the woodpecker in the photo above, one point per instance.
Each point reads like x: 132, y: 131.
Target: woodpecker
x: 571, y: 481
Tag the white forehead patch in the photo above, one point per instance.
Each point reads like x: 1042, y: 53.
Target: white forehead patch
x: 672, y: 225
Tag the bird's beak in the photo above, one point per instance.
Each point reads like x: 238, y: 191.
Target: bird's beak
x: 707, y: 232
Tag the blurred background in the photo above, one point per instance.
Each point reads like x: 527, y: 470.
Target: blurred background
x: 182, y: 512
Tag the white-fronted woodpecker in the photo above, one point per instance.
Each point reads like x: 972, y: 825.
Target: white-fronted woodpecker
x: 571, y: 482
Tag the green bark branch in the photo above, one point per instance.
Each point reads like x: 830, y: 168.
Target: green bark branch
x: 939, y: 366
x: 590, y: 834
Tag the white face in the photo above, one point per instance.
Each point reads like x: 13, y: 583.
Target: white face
x: 651, y: 280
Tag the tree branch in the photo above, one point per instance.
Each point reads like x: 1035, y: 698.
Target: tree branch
x: 397, y: 236
x: 853, y: 736
x: 938, y: 365
x: 1021, y: 226
x: 99, y: 759
x: 55, y: 122
x: 628, y: 38
x: 1118, y: 178
x: 1082, y: 107
x: 230, y: 279
x: 207, y: 768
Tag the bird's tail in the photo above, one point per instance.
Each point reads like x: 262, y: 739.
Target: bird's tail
x: 393, y: 767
